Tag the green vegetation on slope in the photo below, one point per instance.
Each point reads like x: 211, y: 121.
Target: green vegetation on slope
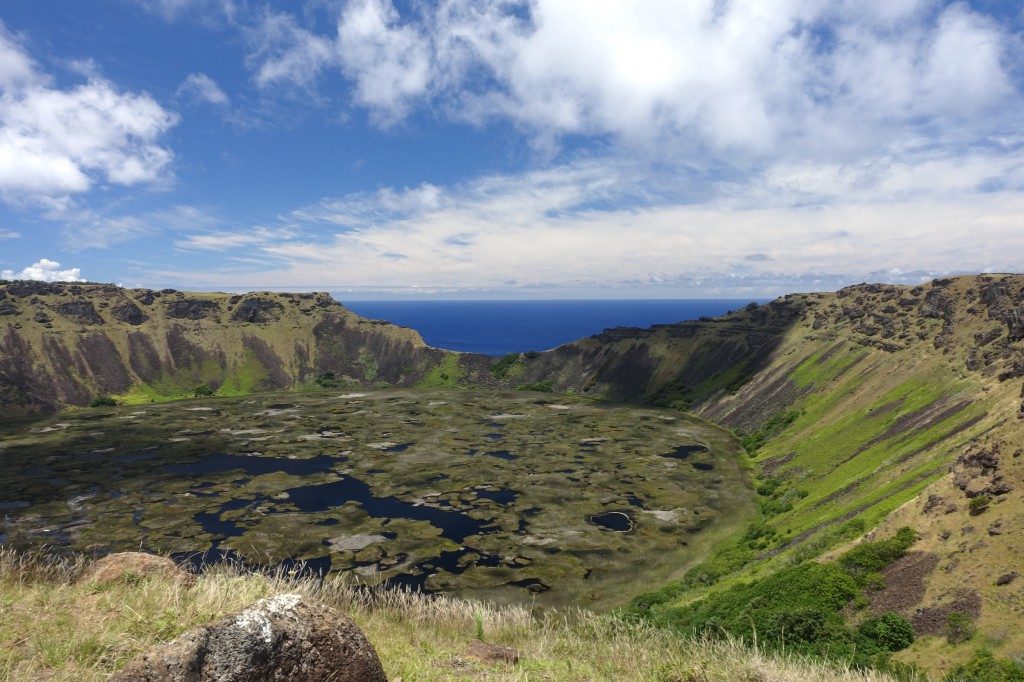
x: 58, y: 628
x: 800, y: 608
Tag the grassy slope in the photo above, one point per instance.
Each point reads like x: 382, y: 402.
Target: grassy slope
x: 871, y: 429
x: 59, y: 629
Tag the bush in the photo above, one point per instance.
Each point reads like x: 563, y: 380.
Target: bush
x: 959, y: 628
x: 871, y: 557
x: 327, y: 380
x: 891, y: 631
x: 502, y: 367
x: 202, y: 391
x: 984, y: 667
x: 531, y: 355
x: 102, y: 401
x: 545, y: 386
x: 978, y: 504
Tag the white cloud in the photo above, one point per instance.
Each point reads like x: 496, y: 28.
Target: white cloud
x: 45, y: 270
x: 201, y: 87
x: 286, y: 53
x: 734, y: 81
x: 205, y: 10
x: 59, y: 142
x: 9, y: 234
x: 592, y: 224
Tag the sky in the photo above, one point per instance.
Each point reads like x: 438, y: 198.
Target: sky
x: 508, y: 149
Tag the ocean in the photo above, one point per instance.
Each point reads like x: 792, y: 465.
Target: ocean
x: 500, y: 327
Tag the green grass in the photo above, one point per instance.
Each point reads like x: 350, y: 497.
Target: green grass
x: 60, y: 628
x: 445, y: 374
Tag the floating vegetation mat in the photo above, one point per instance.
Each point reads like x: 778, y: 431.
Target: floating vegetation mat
x: 503, y: 496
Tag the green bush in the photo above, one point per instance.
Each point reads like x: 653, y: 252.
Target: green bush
x: 502, y: 367
x: 327, y: 380
x: 102, y: 401
x: 753, y: 441
x: 202, y: 391
x: 984, y: 667
x: 891, y: 632
x: 978, y: 504
x: 959, y: 628
x: 871, y: 557
x: 545, y: 386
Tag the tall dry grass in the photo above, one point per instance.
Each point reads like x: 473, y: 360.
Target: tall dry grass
x: 55, y: 627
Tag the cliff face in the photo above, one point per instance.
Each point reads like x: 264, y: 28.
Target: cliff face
x: 64, y: 344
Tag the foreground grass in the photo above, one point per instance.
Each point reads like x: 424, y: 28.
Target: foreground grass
x: 53, y: 627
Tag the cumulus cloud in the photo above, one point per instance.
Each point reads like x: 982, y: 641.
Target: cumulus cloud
x: 200, y: 87
x: 59, y: 142
x: 738, y: 79
x: 45, y: 270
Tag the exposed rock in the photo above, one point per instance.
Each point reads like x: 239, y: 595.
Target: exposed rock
x: 1006, y: 578
x: 190, y: 308
x: 934, y: 620
x: 26, y: 288
x: 932, y: 503
x: 255, y: 309
x: 491, y: 653
x: 975, y: 472
x: 285, y: 638
x: 130, y: 565
x: 82, y: 312
x: 129, y: 313
x: 8, y: 308
x: 996, y: 528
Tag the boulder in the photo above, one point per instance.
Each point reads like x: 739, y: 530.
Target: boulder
x: 1006, y: 578
x: 492, y: 653
x: 283, y: 638
x: 133, y: 565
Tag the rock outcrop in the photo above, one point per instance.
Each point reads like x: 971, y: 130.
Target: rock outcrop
x: 133, y: 565
x: 286, y: 638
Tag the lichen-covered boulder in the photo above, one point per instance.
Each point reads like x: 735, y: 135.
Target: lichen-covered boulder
x: 283, y: 638
x: 131, y: 565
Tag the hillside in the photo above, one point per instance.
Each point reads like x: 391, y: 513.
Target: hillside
x: 90, y: 630
x: 861, y: 411
x: 851, y: 405
x: 65, y: 344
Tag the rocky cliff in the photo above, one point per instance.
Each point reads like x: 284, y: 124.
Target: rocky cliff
x: 65, y: 344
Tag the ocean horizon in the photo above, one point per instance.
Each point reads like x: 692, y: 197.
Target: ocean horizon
x: 498, y: 327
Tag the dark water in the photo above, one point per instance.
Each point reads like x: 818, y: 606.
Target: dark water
x: 684, y: 451
x: 499, y: 327
x: 613, y: 521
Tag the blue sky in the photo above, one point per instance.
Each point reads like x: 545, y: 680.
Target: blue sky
x: 495, y: 148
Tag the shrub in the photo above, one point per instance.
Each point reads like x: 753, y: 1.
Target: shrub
x: 202, y: 391
x: 978, y: 504
x: 891, y: 631
x: 102, y: 401
x: 503, y: 366
x: 545, y: 386
x: 984, y: 667
x: 871, y: 557
x: 959, y: 628
x: 531, y: 355
x: 327, y: 380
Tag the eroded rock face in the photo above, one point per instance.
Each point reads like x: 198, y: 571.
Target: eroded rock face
x: 128, y: 565
x: 256, y: 310
x: 82, y: 312
x: 976, y: 471
x: 283, y: 638
x: 130, y: 313
x: 191, y: 309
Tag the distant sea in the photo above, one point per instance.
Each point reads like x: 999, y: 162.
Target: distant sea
x: 500, y: 327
